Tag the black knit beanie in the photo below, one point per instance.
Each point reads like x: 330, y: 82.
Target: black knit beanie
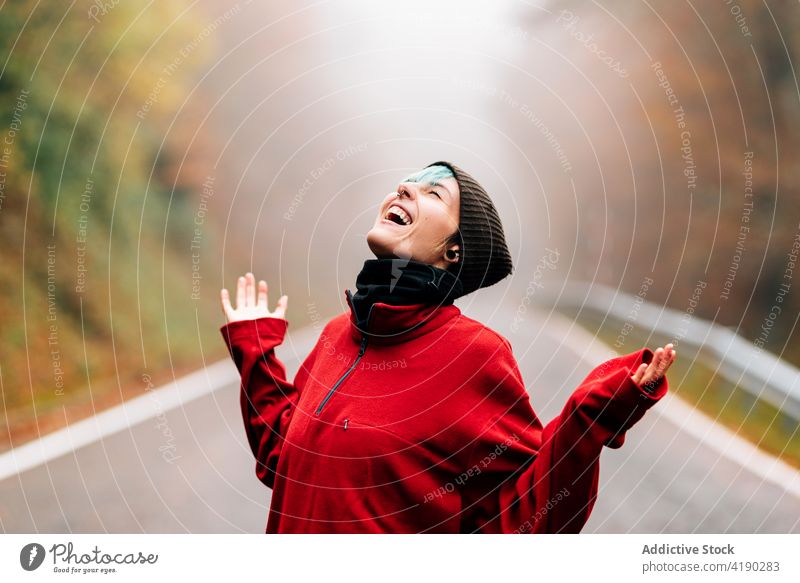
x: 485, y: 258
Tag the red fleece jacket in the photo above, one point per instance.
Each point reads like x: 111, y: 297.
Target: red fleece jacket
x: 424, y: 425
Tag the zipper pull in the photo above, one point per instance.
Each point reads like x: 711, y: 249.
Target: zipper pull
x: 345, y: 423
x: 363, y: 346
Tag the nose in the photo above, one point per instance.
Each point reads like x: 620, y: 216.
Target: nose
x: 406, y: 189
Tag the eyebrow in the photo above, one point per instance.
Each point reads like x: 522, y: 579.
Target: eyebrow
x: 440, y: 185
x: 432, y: 183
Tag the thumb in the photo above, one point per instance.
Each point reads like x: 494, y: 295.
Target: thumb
x: 637, y: 376
x: 283, y: 304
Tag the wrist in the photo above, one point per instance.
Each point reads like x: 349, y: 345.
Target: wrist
x: 261, y: 327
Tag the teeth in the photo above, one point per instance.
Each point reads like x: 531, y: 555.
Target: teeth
x: 400, y: 213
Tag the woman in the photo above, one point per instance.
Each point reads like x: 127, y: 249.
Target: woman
x: 408, y: 416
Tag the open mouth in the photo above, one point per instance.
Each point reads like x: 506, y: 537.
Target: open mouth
x: 397, y: 215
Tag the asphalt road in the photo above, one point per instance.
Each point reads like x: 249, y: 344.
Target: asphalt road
x: 191, y: 470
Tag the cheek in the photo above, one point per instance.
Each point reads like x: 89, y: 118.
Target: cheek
x: 438, y: 224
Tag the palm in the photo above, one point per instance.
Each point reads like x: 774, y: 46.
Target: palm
x: 251, y: 301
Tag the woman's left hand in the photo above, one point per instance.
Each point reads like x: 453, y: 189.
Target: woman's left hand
x: 648, y: 374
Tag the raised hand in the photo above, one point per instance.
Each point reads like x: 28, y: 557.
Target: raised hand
x: 648, y: 374
x: 250, y: 304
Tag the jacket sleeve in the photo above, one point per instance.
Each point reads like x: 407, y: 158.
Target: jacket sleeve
x: 266, y: 397
x: 529, y: 479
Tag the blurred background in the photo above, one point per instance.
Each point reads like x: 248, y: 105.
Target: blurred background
x: 643, y: 157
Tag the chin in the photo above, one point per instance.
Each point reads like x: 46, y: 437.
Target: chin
x: 384, y: 244
x: 379, y: 242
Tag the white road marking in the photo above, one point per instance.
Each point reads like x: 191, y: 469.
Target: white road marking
x: 222, y: 373
x: 688, y: 419
x: 118, y: 418
x: 152, y: 404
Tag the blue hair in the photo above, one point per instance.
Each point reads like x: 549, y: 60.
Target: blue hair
x: 430, y: 174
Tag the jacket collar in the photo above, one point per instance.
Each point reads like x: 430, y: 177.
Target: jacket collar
x: 389, y: 324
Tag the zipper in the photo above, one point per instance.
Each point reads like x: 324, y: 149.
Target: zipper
x: 364, y: 339
x: 344, y: 376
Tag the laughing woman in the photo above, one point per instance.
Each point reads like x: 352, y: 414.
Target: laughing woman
x: 408, y: 416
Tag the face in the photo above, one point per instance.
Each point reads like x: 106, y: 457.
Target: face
x: 418, y: 223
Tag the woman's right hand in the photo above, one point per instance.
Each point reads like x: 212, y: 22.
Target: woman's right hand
x: 249, y: 305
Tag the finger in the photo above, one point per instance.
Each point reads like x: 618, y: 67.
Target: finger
x: 652, y: 367
x: 280, y: 308
x: 668, y: 350
x: 642, y: 372
x: 660, y: 366
x: 226, y: 302
x: 251, y: 290
x: 262, y: 294
x: 240, y: 291
x: 669, y: 360
x: 637, y: 376
x: 668, y: 356
x: 658, y: 359
x: 283, y: 304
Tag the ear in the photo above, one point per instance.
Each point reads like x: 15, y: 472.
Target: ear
x: 453, y: 254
